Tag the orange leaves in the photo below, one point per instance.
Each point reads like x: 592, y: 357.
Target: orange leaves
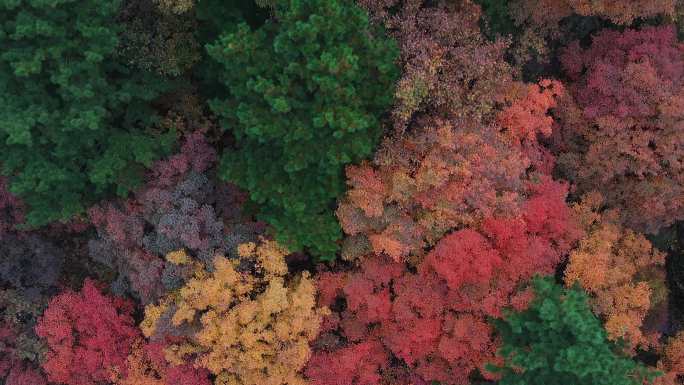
x: 367, y: 190
x: 620, y: 269
x: 447, y: 174
x: 527, y: 116
x: 672, y: 361
x: 146, y: 365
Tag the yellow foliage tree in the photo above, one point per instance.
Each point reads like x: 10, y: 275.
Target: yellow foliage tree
x: 253, y: 325
x: 620, y: 269
x: 175, y: 6
x: 141, y: 370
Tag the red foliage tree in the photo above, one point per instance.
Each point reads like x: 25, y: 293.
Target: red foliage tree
x: 622, y: 131
x: 89, y: 336
x: 547, y: 13
x: 434, y: 318
x: 357, y: 364
x: 464, y: 257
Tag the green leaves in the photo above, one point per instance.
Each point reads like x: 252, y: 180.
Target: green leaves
x: 305, y: 93
x: 558, y: 340
x: 71, y: 116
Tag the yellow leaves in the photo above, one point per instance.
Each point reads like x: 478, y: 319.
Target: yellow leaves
x: 246, y: 249
x: 175, y: 354
x: 178, y: 257
x: 152, y: 315
x: 271, y: 257
x: 252, y: 327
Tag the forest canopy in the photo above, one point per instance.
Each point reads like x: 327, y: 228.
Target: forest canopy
x: 341, y: 192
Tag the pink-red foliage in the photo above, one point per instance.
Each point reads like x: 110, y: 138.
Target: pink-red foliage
x: 356, y: 364
x: 464, y: 257
x: 548, y: 13
x: 622, y: 131
x: 434, y: 319
x: 89, y: 336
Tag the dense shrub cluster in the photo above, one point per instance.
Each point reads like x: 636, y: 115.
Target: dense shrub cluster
x: 341, y: 192
x: 435, y: 320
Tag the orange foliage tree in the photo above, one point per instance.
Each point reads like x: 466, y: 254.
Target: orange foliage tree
x: 671, y: 362
x: 447, y: 174
x: 146, y: 365
x: 242, y: 321
x: 621, y: 271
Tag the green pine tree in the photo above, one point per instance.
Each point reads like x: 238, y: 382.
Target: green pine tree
x: 558, y: 340
x: 306, y: 91
x: 71, y: 115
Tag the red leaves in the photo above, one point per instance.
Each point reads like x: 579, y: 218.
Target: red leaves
x: 25, y: 375
x: 196, y: 155
x: 463, y: 257
x: 357, y: 364
x: 435, y: 319
x: 89, y: 336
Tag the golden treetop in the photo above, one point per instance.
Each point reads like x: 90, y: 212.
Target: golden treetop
x: 253, y: 323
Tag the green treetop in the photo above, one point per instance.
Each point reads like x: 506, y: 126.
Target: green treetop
x: 558, y: 340
x: 70, y: 113
x: 305, y: 93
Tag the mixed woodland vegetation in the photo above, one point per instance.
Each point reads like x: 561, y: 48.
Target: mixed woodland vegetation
x: 341, y: 192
